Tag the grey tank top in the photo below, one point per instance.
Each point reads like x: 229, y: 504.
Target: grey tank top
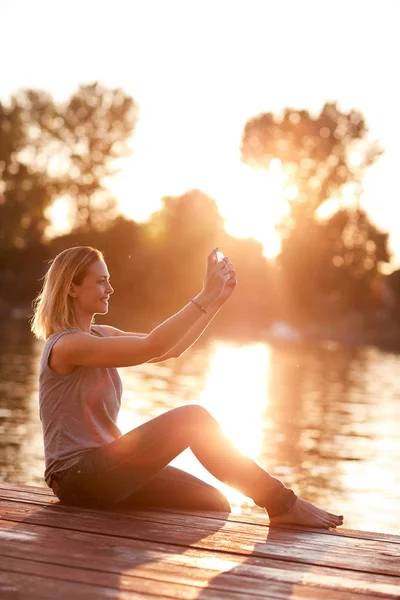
x: 78, y: 411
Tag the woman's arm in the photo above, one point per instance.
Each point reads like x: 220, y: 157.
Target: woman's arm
x: 184, y: 343
x: 196, y: 330
x: 82, y: 349
x: 191, y: 336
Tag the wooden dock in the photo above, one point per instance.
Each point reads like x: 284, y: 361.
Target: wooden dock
x: 52, y: 551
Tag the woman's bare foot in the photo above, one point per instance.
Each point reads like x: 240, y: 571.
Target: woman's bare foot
x: 305, y: 513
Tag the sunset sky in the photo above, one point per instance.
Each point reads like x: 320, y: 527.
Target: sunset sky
x: 199, y: 69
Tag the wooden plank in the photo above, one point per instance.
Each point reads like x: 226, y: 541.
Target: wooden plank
x: 198, y: 518
x: 34, y: 489
x: 190, y: 567
x: 133, y: 586
x: 20, y: 586
x: 187, y: 550
x: 306, y: 548
x: 44, y: 497
x: 127, y: 582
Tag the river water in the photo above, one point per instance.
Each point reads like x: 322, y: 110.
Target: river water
x: 322, y: 417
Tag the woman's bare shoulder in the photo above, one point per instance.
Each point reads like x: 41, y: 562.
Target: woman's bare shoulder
x: 56, y: 358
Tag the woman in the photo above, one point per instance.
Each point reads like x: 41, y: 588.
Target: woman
x: 88, y: 461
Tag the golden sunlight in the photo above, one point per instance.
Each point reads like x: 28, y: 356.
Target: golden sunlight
x: 252, y: 202
x: 236, y: 394
x: 59, y: 216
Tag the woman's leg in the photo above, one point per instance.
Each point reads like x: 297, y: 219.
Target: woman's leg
x: 115, y: 472
x: 173, y: 488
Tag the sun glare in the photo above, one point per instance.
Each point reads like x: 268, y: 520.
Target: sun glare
x: 236, y: 394
x: 59, y: 216
x: 252, y: 202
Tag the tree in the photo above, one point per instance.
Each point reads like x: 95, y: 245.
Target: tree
x: 181, y: 234
x: 321, y: 156
x: 48, y: 150
x: 331, y: 266
x: 23, y: 194
x: 79, y: 146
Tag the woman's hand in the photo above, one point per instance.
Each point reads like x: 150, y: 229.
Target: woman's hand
x: 230, y: 285
x: 216, y: 277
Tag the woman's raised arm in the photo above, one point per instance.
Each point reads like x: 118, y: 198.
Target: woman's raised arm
x: 121, y: 351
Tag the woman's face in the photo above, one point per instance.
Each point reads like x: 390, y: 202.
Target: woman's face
x: 91, y: 296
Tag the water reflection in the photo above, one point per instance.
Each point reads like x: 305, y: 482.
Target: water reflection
x: 323, y: 419
x: 21, y: 445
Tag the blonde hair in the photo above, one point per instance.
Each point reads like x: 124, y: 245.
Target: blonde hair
x: 52, y: 308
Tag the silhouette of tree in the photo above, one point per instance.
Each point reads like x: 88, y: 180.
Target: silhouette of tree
x: 79, y: 146
x: 319, y: 154
x: 180, y: 235
x: 322, y: 157
x: 48, y: 150
x: 23, y: 194
x: 331, y: 266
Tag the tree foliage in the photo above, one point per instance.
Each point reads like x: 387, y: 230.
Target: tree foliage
x: 330, y: 266
x: 68, y: 149
x: 181, y: 234
x: 322, y: 157
x: 50, y: 150
x: 320, y: 154
x: 23, y: 193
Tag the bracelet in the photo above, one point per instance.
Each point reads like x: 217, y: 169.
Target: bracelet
x: 199, y: 305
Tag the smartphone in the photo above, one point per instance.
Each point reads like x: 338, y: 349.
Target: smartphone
x: 220, y: 256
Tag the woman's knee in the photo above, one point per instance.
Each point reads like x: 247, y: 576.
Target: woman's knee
x: 194, y: 415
